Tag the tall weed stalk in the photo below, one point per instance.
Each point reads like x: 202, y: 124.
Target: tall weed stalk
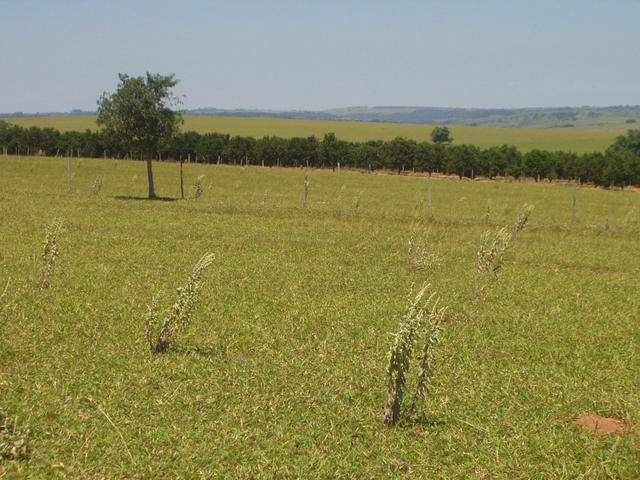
x: 418, y: 256
x: 160, y: 332
x: 198, y: 187
x: 420, y: 323
x: 494, y: 246
x: 50, y: 252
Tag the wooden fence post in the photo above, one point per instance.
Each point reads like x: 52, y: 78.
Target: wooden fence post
x: 306, y: 189
x: 69, y: 181
x: 573, y: 204
x: 429, y: 206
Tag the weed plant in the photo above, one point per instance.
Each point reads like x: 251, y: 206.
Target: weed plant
x: 420, y: 324
x: 494, y: 246
x: 198, y: 187
x: 418, y: 256
x: 50, y: 252
x: 159, y: 332
x: 13, y: 439
x: 96, y: 186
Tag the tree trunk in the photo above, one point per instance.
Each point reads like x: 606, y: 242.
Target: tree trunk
x: 152, y: 192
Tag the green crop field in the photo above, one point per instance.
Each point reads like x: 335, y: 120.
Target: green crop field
x: 281, y: 373
x: 579, y: 140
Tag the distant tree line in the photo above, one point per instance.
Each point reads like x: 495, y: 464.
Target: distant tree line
x: 618, y: 166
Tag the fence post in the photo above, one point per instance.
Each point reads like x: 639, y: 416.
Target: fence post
x: 573, y: 205
x: 306, y: 189
x: 69, y: 181
x: 429, y: 206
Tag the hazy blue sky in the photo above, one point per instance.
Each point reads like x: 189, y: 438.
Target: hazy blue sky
x: 59, y: 55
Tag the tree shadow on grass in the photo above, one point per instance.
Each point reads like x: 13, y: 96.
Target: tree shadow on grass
x: 156, y: 199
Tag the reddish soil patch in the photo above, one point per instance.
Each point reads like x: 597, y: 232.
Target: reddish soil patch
x: 600, y: 424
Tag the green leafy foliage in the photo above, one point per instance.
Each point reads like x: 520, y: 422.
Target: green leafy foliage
x: 441, y: 135
x: 618, y: 166
x: 140, y: 115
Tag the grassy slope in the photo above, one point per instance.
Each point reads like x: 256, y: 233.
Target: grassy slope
x: 282, y: 372
x: 573, y: 139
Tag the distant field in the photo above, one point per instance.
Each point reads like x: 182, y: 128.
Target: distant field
x: 578, y: 140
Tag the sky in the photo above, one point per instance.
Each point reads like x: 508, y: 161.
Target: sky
x: 308, y: 55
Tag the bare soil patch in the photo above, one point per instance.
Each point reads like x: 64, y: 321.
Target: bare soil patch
x: 599, y: 424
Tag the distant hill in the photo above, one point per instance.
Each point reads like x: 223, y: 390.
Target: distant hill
x: 561, y: 117
x: 291, y: 114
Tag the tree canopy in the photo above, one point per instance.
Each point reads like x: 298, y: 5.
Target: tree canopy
x: 618, y: 166
x: 141, y: 114
x: 441, y: 135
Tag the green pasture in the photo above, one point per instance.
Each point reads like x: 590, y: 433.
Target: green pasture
x: 579, y: 140
x: 282, y: 372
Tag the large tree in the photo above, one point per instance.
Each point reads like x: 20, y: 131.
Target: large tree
x: 399, y: 153
x: 141, y: 114
x: 441, y: 135
x: 629, y: 142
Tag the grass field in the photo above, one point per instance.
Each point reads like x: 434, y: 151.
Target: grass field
x: 578, y: 140
x: 282, y: 373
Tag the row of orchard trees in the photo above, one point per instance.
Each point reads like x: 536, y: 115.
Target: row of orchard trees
x: 618, y: 166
